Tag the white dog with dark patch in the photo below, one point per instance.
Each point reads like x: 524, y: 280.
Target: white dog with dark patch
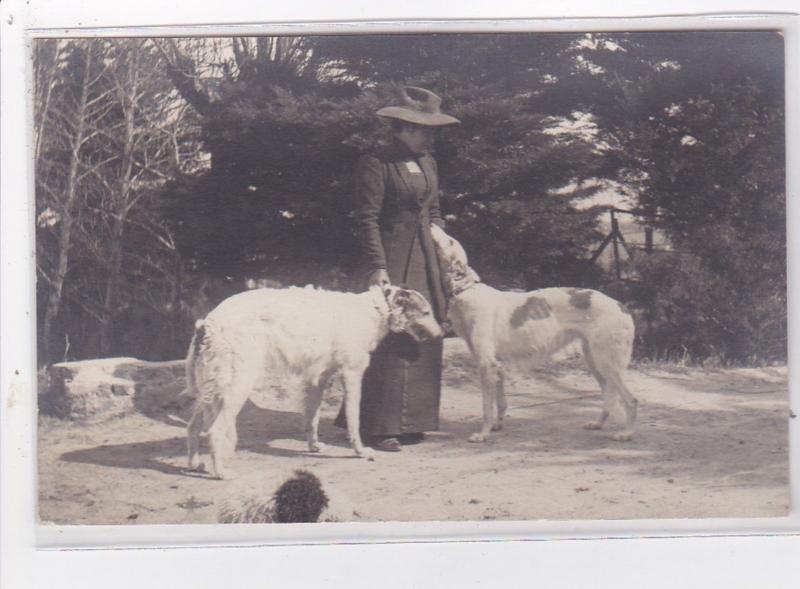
x: 308, y: 336
x: 504, y: 326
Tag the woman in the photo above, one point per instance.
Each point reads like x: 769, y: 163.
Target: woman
x: 397, y: 190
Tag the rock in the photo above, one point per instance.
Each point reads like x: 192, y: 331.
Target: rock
x: 96, y: 390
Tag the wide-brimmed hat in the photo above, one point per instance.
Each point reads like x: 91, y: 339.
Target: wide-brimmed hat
x: 423, y: 110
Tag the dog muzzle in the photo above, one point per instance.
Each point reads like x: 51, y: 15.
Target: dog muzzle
x: 447, y: 328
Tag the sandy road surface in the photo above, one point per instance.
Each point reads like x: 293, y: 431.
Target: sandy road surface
x: 709, y: 444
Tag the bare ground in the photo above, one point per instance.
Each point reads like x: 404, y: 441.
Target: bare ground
x: 710, y: 443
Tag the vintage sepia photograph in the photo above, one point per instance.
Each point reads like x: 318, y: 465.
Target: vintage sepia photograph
x: 459, y: 277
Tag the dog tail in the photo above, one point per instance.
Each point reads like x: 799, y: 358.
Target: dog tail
x: 209, y: 363
x: 191, y: 358
x: 200, y: 340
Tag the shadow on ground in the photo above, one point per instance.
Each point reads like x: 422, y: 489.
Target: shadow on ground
x: 257, y: 427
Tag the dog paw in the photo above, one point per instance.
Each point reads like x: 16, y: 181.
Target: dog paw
x: 593, y: 425
x: 317, y: 447
x: 224, y: 475
x: 497, y: 426
x: 196, y: 467
x: 478, y: 437
x: 367, y: 453
x: 622, y: 436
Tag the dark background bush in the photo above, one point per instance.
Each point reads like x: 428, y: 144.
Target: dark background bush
x: 691, y: 124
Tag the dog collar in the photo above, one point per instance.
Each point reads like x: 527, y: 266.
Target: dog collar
x: 380, y: 308
x: 461, y: 289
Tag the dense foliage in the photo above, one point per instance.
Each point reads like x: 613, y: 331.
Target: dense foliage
x: 707, y: 148
x: 258, y: 184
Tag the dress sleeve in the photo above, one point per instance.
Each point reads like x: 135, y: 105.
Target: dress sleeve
x: 435, y: 213
x: 434, y: 210
x: 369, y: 188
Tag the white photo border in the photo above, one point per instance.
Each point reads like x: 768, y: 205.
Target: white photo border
x: 18, y: 495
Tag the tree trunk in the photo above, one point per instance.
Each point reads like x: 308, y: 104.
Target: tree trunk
x: 65, y: 234
x: 177, y: 316
x: 45, y: 83
x: 112, y: 286
x: 128, y: 100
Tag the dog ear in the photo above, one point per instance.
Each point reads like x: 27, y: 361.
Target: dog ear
x: 401, y: 298
x: 397, y: 321
x: 459, y: 269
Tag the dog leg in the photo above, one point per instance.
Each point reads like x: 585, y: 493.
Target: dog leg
x: 232, y: 435
x: 311, y: 411
x: 193, y: 437
x: 352, y: 407
x: 229, y: 414
x: 630, y: 403
x: 222, y: 434
x: 608, y: 396
x: 219, y: 444
x: 608, y: 401
x: 489, y: 381
x: 502, y: 405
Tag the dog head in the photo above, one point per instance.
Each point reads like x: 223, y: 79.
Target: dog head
x: 411, y: 313
x: 300, y: 499
x: 453, y: 261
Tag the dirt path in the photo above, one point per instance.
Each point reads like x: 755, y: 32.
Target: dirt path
x: 709, y: 444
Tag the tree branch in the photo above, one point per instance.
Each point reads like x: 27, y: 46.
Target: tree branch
x: 181, y: 72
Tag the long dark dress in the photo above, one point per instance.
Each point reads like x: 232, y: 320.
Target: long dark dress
x: 398, y: 198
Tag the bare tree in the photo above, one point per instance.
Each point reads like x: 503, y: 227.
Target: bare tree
x: 197, y: 66
x: 148, y: 138
x: 81, y: 101
x: 47, y: 54
x: 111, y: 129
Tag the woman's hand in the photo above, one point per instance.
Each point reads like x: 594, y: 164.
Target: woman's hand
x: 379, y: 277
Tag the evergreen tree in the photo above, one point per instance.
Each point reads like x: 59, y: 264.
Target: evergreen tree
x: 283, y: 153
x: 692, y: 123
x: 695, y: 122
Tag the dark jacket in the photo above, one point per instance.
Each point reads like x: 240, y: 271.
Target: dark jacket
x: 402, y: 386
x: 393, y: 216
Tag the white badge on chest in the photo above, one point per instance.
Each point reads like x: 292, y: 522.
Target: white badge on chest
x: 413, y: 167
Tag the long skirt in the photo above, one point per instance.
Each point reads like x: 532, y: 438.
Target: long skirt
x: 401, y: 390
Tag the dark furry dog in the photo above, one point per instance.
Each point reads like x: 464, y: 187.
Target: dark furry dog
x: 299, y: 499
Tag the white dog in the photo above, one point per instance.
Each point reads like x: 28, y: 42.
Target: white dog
x: 305, y: 334
x: 503, y: 326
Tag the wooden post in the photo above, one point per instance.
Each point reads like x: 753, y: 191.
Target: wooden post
x: 648, y: 239
x: 615, y: 237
